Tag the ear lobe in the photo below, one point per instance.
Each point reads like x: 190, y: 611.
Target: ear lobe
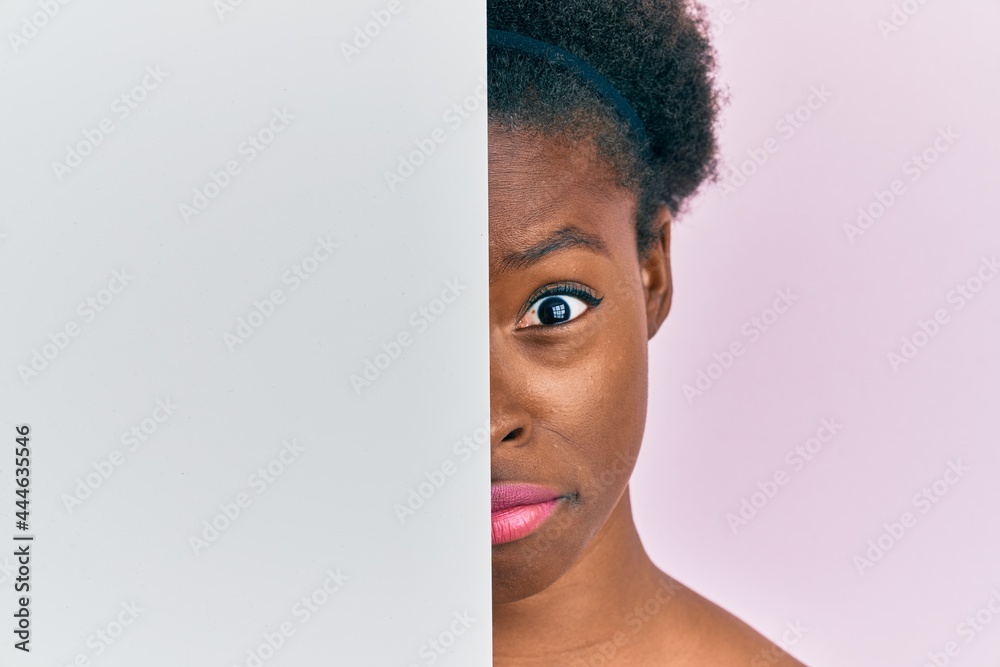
x: 655, y: 271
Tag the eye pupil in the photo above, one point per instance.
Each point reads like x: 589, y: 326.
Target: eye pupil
x: 553, y: 311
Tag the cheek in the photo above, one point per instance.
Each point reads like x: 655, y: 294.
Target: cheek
x: 598, y: 401
x: 618, y: 398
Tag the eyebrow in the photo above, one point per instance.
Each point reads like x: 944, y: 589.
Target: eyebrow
x: 567, y: 237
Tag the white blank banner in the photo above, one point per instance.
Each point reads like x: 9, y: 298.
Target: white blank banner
x: 243, y: 283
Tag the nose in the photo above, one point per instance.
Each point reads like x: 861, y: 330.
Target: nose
x: 510, y: 420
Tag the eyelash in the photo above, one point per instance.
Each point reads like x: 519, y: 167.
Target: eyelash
x: 578, y: 290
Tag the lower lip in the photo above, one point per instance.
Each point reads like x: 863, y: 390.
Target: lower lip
x: 514, y: 523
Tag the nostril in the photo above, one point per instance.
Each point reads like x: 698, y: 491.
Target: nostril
x: 513, y: 435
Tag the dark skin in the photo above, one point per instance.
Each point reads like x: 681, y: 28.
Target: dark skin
x: 568, y: 406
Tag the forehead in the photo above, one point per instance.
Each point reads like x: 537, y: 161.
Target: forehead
x: 542, y: 186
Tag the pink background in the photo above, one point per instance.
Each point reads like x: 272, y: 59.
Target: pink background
x: 827, y: 356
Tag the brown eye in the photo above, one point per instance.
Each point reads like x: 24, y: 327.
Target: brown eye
x: 550, y: 310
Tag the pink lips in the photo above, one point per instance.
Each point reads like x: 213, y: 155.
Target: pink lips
x: 519, y: 509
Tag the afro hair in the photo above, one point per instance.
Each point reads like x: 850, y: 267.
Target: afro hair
x: 657, y: 55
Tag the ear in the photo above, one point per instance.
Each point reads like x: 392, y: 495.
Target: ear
x: 655, y: 271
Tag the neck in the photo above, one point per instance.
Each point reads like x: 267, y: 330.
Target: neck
x: 586, y: 606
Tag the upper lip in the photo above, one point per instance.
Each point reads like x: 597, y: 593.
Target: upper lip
x: 506, y: 495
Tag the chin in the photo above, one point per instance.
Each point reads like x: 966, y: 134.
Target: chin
x: 518, y: 575
x: 530, y: 565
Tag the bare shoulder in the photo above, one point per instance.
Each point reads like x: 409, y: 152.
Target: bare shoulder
x: 716, y: 637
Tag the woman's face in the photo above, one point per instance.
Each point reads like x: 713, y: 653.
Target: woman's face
x: 571, y: 310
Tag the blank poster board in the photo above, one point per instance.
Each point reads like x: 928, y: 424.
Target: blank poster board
x: 243, y: 277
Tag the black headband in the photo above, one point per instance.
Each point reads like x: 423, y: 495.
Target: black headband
x: 584, y: 70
